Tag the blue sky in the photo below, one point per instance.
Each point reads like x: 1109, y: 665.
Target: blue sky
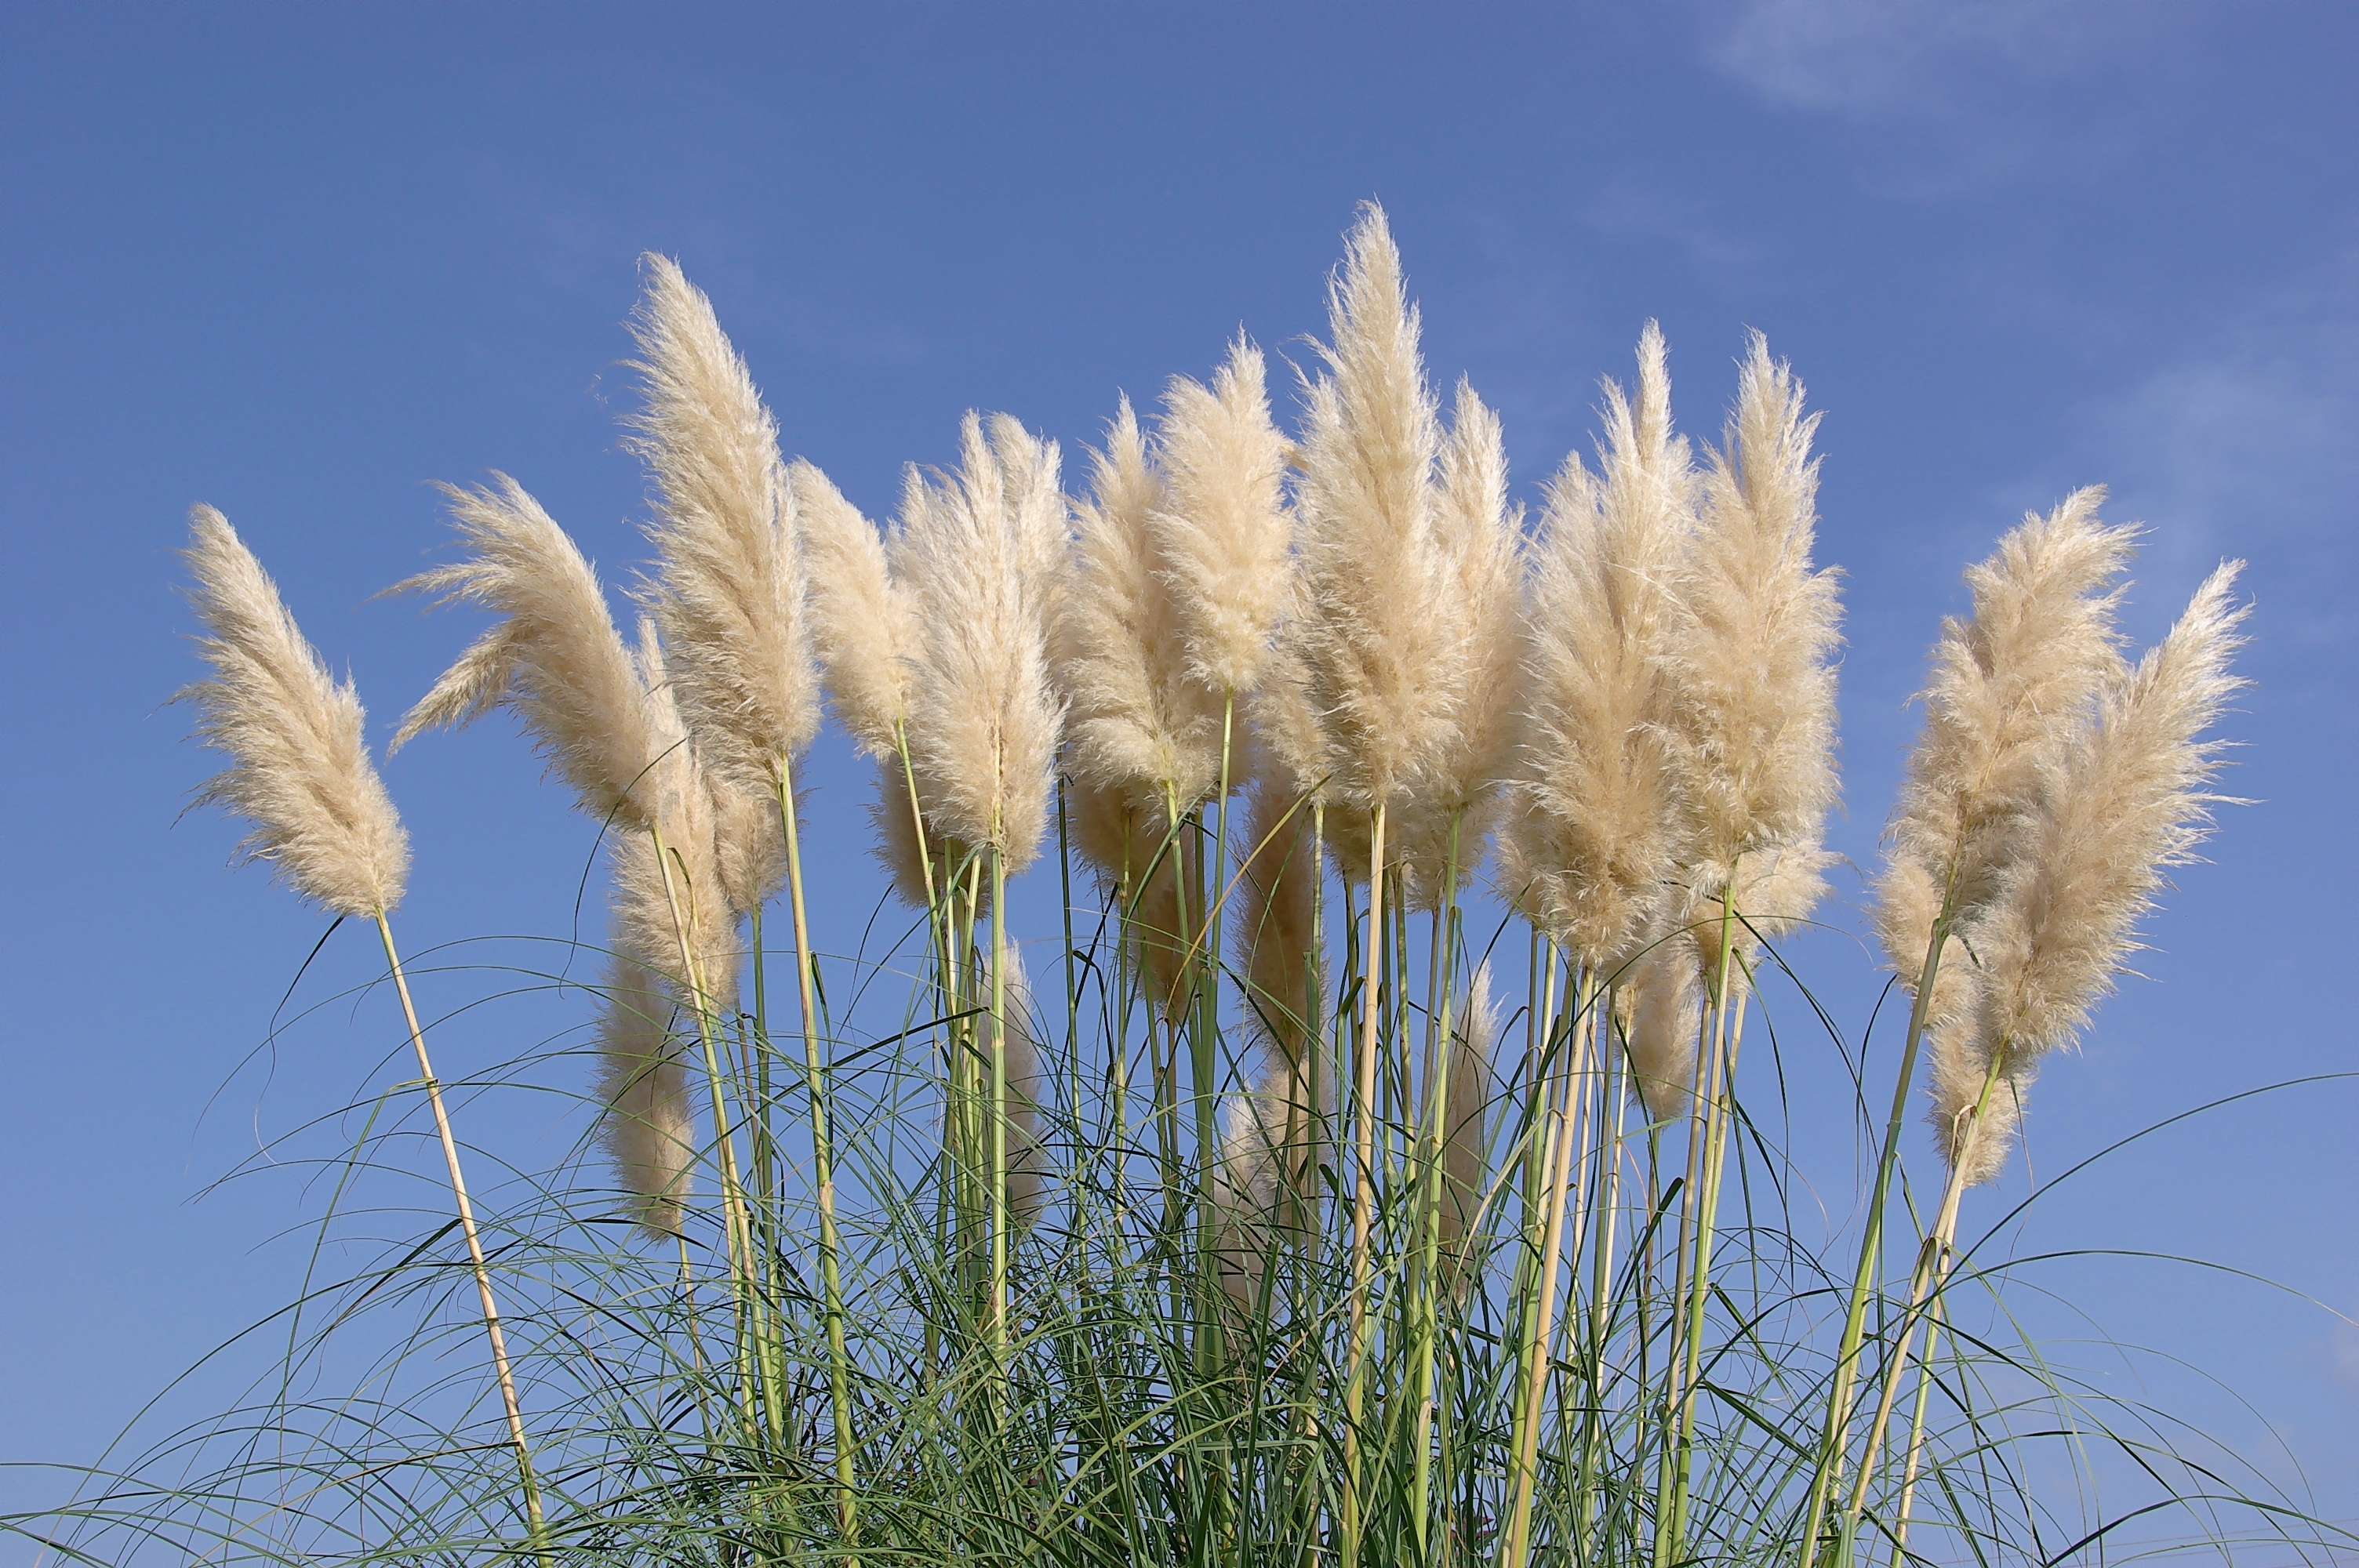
x: 300, y: 263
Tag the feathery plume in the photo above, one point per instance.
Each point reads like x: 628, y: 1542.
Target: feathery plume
x: 2008, y: 690
x: 554, y: 658
x: 1478, y: 540
x: 896, y: 841
x: 1593, y: 843
x: 1221, y: 530
x: 1659, y: 1011
x: 1027, y: 1088
x: 1776, y: 890
x: 1752, y: 709
x: 1125, y: 843
x: 300, y: 769
x: 982, y: 552
x: 1369, y: 632
x: 688, y: 822
x: 862, y: 622
x: 1464, y: 1103
x: 1273, y: 1126
x: 1139, y: 721
x: 2126, y: 801
x: 644, y: 1088
x: 1274, y: 947
x: 728, y: 593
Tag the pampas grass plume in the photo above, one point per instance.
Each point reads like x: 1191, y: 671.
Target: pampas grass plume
x: 1371, y: 635
x: 1138, y: 721
x: 2127, y: 801
x: 300, y: 769
x: 644, y: 1088
x: 728, y: 593
x: 864, y: 625
x: 1221, y: 530
x: 554, y: 658
x: 1753, y: 693
x: 1596, y: 842
x: 982, y: 552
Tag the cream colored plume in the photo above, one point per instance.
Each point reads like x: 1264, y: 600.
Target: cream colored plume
x: 896, y: 845
x: 1141, y: 866
x: 1777, y: 889
x: 1027, y: 1092
x: 864, y: 624
x: 2128, y: 799
x: 1478, y: 539
x: 1137, y: 722
x: 1662, y: 1011
x: 981, y: 553
x: 553, y: 658
x: 1274, y: 1126
x: 1222, y: 533
x: 2009, y: 689
x: 1976, y: 1146
x: 642, y: 1086
x: 1591, y: 844
x: 1275, y: 950
x: 1752, y: 712
x: 1370, y: 632
x: 300, y: 769
x: 690, y: 823
x: 728, y: 590
x: 1464, y: 1148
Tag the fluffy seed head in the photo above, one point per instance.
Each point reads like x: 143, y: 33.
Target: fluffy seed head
x: 1593, y: 841
x: 1138, y: 722
x: 554, y: 658
x: 1752, y: 709
x: 862, y: 622
x: 1275, y: 949
x: 1370, y: 634
x: 1221, y: 528
x: 643, y: 1086
x: 728, y: 591
x: 1478, y: 540
x: 981, y: 553
x: 300, y: 769
x: 1663, y: 998
x: 1464, y: 1103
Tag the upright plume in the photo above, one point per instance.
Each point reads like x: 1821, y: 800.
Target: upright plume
x: 981, y: 553
x: 300, y: 769
x: 728, y: 591
x: 1592, y: 842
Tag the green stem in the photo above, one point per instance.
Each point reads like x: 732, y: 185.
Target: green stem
x: 475, y: 1245
x: 1364, y: 1194
x: 815, y: 1076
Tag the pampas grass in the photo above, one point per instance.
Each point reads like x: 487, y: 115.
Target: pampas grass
x: 728, y: 591
x: 957, y: 1283
x: 300, y: 770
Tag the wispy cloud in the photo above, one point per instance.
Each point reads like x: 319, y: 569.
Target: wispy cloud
x: 1965, y: 91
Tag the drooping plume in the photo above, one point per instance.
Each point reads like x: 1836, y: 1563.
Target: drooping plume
x: 1374, y: 645
x: 864, y: 625
x: 981, y: 553
x: 2008, y: 690
x: 300, y: 769
x: 554, y: 658
x: 1464, y: 1105
x: 1028, y: 1090
x: 2128, y: 799
x: 1221, y: 530
x: 728, y: 591
x: 1140, y: 724
x: 1591, y: 844
x: 1478, y: 540
x: 1142, y: 865
x: 1752, y: 710
x: 646, y: 1126
x: 1275, y: 950
x: 1660, y: 1011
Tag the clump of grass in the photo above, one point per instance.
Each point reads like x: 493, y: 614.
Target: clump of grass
x: 1316, y: 1206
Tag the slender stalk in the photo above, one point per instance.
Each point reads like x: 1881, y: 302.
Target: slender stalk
x: 1364, y: 1194
x: 815, y: 1074
x: 738, y: 1231
x: 1536, y: 1356
x: 1932, y: 1274
x: 1939, y: 1311
x: 999, y: 1225
x: 1833, y: 1441
x: 1440, y: 991
x: 474, y: 1243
